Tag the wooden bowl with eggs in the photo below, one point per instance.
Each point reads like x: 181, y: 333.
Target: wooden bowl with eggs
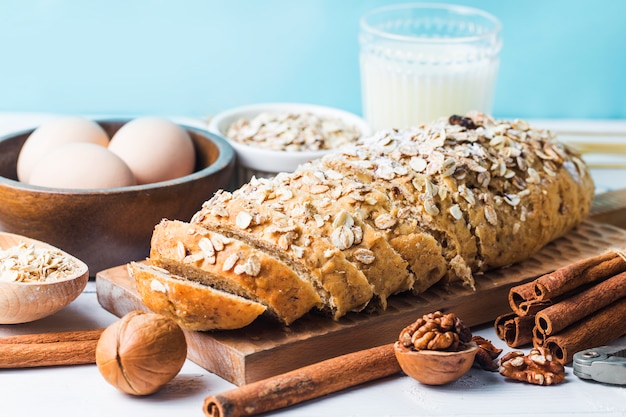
x: 107, y: 227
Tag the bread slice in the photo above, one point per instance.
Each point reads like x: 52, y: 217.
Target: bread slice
x: 244, y: 216
x: 192, y: 305
x: 227, y: 264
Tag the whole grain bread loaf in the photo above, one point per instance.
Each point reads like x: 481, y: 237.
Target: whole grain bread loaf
x: 400, y: 211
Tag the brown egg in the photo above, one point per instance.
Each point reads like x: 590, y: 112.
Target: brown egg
x: 155, y: 149
x: 81, y: 165
x: 52, y: 135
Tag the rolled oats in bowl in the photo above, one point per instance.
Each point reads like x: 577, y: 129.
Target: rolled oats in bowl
x: 278, y: 137
x: 291, y: 131
x: 28, y: 263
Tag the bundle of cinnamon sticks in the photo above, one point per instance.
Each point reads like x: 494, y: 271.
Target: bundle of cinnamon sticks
x: 577, y: 307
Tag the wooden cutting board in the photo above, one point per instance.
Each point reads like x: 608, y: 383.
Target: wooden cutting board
x: 265, y: 348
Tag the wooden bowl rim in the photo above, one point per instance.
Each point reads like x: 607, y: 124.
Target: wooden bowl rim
x: 470, y: 347
x: 225, y: 156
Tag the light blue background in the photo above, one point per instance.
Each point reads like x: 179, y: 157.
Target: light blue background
x: 561, y: 58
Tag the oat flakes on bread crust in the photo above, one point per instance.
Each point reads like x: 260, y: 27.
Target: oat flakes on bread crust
x: 342, y: 287
x: 313, y: 204
x: 375, y: 210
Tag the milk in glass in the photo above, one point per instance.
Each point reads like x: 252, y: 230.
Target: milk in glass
x: 419, y: 64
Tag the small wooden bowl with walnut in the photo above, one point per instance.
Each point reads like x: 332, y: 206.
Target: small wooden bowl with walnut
x: 436, y: 349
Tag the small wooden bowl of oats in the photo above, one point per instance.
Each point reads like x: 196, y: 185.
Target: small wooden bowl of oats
x: 269, y: 138
x: 36, y: 279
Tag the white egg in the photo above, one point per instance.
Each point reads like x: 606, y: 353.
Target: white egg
x: 155, y: 149
x: 81, y: 165
x: 53, y: 134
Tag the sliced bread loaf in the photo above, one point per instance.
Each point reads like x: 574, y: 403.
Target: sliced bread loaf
x: 230, y: 265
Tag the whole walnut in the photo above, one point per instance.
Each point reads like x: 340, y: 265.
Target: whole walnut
x: 141, y: 352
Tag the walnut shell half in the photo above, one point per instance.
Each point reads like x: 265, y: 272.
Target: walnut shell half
x: 141, y: 352
x: 435, y: 367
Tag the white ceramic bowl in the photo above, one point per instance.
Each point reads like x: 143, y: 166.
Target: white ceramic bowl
x: 261, y: 162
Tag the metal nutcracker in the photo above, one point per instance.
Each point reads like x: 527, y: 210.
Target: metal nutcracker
x: 605, y: 364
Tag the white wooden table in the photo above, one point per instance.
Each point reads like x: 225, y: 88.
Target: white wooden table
x: 81, y: 390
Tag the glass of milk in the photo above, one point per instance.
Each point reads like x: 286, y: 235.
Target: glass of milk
x: 420, y: 62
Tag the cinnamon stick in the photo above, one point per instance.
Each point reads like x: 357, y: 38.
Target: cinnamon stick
x: 30, y: 355
x: 516, y: 331
x: 498, y: 324
x: 598, y: 329
x: 539, y: 338
x: 557, y: 317
x: 68, y: 336
x: 521, y: 294
x: 570, y: 277
x: 49, y: 349
x: 532, y: 307
x: 519, y: 331
x: 303, y: 384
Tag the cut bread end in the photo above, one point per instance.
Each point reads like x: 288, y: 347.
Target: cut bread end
x: 192, y: 305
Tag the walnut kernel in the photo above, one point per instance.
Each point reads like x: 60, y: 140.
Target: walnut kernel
x: 535, y: 368
x: 486, y: 355
x: 436, y: 331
